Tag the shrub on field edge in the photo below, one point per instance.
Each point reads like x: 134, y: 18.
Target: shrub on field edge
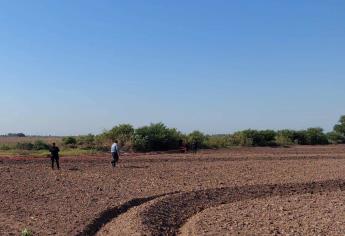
x: 217, y: 141
x: 285, y: 137
x: 40, y: 145
x: 156, y: 137
x: 339, y: 130
x: 24, y: 146
x: 251, y: 137
x: 335, y: 137
x: 315, y: 136
x: 124, y: 133
x: 196, y: 138
x: 20, y: 135
x: 86, y: 141
x: 102, y: 148
x: 4, y: 147
x: 69, y: 140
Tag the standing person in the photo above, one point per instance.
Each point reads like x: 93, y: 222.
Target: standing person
x: 115, y: 154
x: 195, y: 146
x: 54, y: 150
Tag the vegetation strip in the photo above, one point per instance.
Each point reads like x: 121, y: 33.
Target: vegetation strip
x: 158, y: 137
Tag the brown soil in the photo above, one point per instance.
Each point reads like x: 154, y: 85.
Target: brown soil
x: 305, y: 214
x: 239, y: 191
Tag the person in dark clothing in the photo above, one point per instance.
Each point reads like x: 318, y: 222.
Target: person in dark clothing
x: 183, y: 147
x: 195, y: 146
x: 54, y: 150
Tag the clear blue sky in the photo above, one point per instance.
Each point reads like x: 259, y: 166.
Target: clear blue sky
x: 74, y: 67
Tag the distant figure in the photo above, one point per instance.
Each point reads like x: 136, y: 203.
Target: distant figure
x: 114, y: 153
x: 195, y: 146
x: 183, y: 146
x: 54, y: 150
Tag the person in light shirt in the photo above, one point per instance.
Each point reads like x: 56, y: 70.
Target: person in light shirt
x: 115, y: 153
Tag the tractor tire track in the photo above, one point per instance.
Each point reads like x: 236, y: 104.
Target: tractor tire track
x: 109, y: 214
x: 168, y: 215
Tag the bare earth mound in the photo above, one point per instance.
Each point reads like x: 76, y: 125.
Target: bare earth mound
x: 297, y: 191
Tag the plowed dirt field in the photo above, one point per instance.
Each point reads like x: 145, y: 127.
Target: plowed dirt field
x: 240, y: 191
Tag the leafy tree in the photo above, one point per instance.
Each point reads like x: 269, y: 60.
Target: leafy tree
x: 285, y: 137
x: 238, y: 139
x: 123, y: 132
x: 340, y: 128
x: 69, y: 140
x: 251, y: 137
x: 315, y: 136
x: 197, y: 138
x: 217, y: 141
x: 101, y: 138
x: 156, y: 137
x: 266, y: 138
x: 16, y: 135
x: 335, y: 138
x: 300, y: 137
x: 40, y: 145
x: 4, y: 147
x: 86, y: 141
x: 25, y: 146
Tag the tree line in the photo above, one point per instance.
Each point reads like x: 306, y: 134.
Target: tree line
x: 14, y: 135
x: 159, y: 137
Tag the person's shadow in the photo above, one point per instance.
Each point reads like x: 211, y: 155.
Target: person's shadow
x: 135, y: 167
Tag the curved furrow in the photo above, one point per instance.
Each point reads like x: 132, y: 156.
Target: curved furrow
x: 167, y: 216
x: 109, y: 214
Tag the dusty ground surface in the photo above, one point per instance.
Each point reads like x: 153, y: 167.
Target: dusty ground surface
x: 246, y: 191
x: 305, y: 214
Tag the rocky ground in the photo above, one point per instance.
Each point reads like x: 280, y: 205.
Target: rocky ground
x: 245, y: 191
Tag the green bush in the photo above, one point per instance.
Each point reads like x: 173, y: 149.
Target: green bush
x: 311, y: 136
x: 16, y: 135
x: 196, y: 138
x: 124, y: 133
x: 300, y: 137
x: 217, y: 141
x: 285, y: 137
x: 253, y: 138
x: 101, y: 139
x: 266, y: 138
x: 26, y: 232
x: 315, y: 136
x: 5, y: 147
x: 69, y: 140
x: 40, y: 145
x: 25, y: 146
x: 339, y: 129
x: 102, y: 148
x: 156, y: 137
x: 237, y: 139
x: 86, y: 141
x: 142, y: 143
x: 335, y: 137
